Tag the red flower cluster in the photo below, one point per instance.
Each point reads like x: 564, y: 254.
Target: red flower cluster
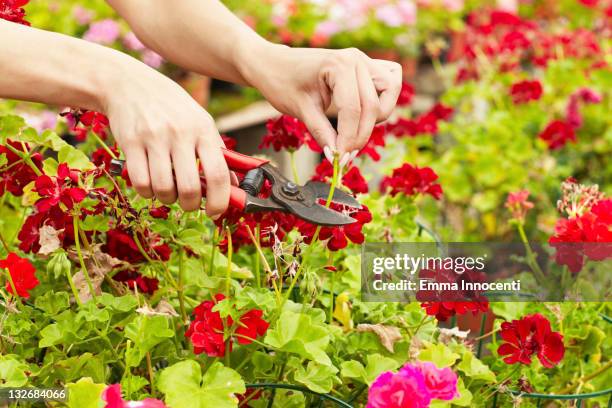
x: 525, y: 91
x: 207, y: 330
x: 17, y: 174
x: 121, y: 245
x: 352, y: 179
x: 338, y: 237
x: 59, y: 191
x: 411, y: 180
x: 22, y: 273
x: 518, y: 204
x: 406, y: 95
x: 377, y: 139
x: 557, y: 134
x: 90, y: 121
x: 585, y: 235
x: 288, y: 133
x: 102, y: 158
x: 12, y: 10
x: 510, y: 41
x: 426, y: 124
x: 445, y: 304
x: 528, y: 336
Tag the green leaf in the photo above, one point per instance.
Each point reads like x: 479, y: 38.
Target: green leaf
x: 146, y: 333
x: 12, y: 372
x: 439, y: 354
x: 185, y: 387
x: 296, y: 333
x: 120, y: 304
x: 75, y: 158
x: 53, y: 302
x: 474, y: 368
x: 318, y: 378
x: 376, y: 365
x: 3, y: 160
x: 10, y: 127
x: 95, y: 223
x: 85, y: 394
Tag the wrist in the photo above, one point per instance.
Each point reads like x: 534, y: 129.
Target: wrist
x: 252, y: 59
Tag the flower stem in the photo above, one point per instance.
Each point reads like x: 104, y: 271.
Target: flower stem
x: 104, y: 145
x: 26, y: 157
x: 4, y: 244
x: 75, y: 223
x: 179, y: 288
x: 296, y: 178
x: 228, y: 273
x: 12, y: 283
x: 257, y: 260
x: 531, y: 259
x: 315, y: 237
x: 589, y: 377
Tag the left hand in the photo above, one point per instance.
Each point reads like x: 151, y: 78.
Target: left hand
x: 309, y: 82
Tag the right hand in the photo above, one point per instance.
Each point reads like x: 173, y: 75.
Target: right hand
x: 160, y: 128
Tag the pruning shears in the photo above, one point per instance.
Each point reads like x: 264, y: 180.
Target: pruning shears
x: 286, y: 196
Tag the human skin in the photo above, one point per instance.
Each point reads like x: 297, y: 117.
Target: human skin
x: 159, y: 127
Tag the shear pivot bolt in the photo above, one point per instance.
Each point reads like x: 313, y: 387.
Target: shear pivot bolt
x: 290, y: 189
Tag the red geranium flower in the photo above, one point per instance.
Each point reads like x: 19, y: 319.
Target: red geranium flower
x: 518, y: 204
x: 17, y: 173
x: 525, y: 91
x: 132, y: 278
x: 160, y: 212
x: 59, y: 190
x: 22, y: 273
x: 230, y: 142
x: 444, y: 310
x: 206, y: 331
x: 406, y: 94
x: 403, y: 127
x: 29, y: 235
x: 352, y: 179
x: 288, y: 133
x: 528, y: 336
x: 121, y: 245
x: 338, y: 237
x: 377, y: 139
x: 12, y: 10
x: 411, y: 180
x: 102, y: 158
x: 557, y: 134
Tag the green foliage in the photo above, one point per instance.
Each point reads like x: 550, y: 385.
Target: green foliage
x: 215, y: 389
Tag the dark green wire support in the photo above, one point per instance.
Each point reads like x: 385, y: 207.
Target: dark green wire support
x: 483, y: 323
x: 275, y: 386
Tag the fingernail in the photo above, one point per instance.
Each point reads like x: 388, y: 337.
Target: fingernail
x: 345, y: 159
x: 328, y: 154
x: 354, y: 154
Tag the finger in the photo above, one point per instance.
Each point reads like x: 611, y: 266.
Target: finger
x: 187, y: 177
x: 234, y: 179
x: 217, y: 178
x: 160, y: 168
x: 138, y: 170
x: 345, y: 94
x: 370, y: 108
x: 387, y: 77
x: 318, y: 125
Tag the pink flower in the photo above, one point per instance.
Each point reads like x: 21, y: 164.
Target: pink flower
x: 399, y: 391
x: 152, y: 59
x: 112, y: 397
x: 509, y: 6
x: 103, y: 32
x: 413, y: 386
x: 132, y: 43
x: 389, y: 14
x: 82, y: 15
x: 441, y: 383
x: 453, y: 5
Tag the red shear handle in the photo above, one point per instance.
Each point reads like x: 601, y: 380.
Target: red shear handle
x: 241, y: 162
x: 238, y: 197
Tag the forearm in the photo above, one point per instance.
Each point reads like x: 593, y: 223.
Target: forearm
x: 51, y: 68
x: 200, y: 35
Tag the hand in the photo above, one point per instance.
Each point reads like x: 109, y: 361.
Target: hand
x: 308, y: 83
x: 161, y: 129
